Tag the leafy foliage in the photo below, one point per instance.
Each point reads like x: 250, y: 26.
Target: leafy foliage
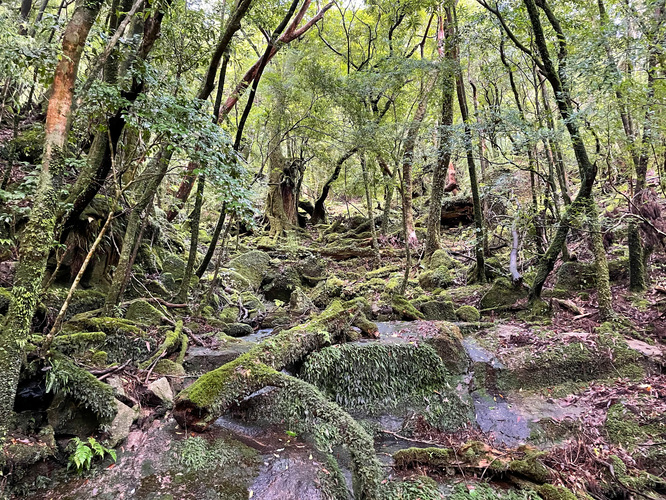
x: 85, y: 452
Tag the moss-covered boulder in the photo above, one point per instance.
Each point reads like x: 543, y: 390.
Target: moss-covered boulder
x: 279, y: 284
x: 238, y: 330
x: 469, y: 314
x: 326, y: 291
x: 502, y: 295
x: 439, y: 277
x: 438, y: 310
x: 403, y: 309
x: 174, y: 265
x: 311, y: 269
x: 440, y: 258
x: 231, y: 279
x: 252, y: 266
x: 300, y: 303
x: 141, y: 311
x: 447, y: 342
x: 349, y: 375
x: 169, y: 368
x: 576, y: 275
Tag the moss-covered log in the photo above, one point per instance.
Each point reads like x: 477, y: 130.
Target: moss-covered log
x: 175, y: 340
x: 209, y: 397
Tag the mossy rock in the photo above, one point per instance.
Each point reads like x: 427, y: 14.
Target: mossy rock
x: 252, y: 266
x: 372, y: 377
x: 404, y: 309
x: 439, y: 277
x: 29, y: 144
x: 82, y: 300
x: 238, y: 330
x: 5, y: 299
x: 229, y: 314
x: 382, y: 272
x: 311, y: 269
x: 174, y: 265
x: 576, y: 275
x: 502, y: 295
x: 447, y: 342
x: 438, y: 310
x: 440, y: 258
x: 231, y: 279
x: 469, y: 314
x: 279, y: 285
x: 141, y: 311
x: 550, y: 492
x: 169, y: 368
x: 79, y: 343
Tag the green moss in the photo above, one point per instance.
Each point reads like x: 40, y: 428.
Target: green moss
x: 252, y: 266
x: 438, y: 310
x: 447, y: 343
x: 173, y: 265
x: 99, y: 358
x: 432, y: 457
x: 469, y: 314
x: 168, y: 367
x: 82, y: 387
x: 141, y: 311
x: 5, y: 299
x: 404, y: 309
x: 382, y: 272
x: 531, y: 468
x: 501, y: 295
x: 175, y: 340
x: 550, y: 492
x: 440, y: 258
x: 576, y: 275
x: 78, y: 342
x: 436, y: 278
x: 376, y: 377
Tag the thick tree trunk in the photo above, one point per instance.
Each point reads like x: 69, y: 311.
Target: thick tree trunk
x: 36, y: 240
x: 440, y: 171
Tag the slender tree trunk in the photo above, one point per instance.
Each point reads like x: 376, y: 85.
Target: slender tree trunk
x: 213, y: 242
x: 441, y: 169
x: 408, y: 160
x: 319, y: 213
x: 194, y: 241
x: 37, y: 238
x: 151, y: 179
x: 469, y: 148
x: 368, y: 201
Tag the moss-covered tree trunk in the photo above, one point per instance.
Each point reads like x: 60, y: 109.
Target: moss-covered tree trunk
x: 368, y: 202
x: 150, y: 180
x: 194, y: 241
x: 604, y: 297
x: 37, y: 237
x: 439, y: 175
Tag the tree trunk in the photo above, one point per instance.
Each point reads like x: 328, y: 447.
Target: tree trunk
x: 213, y: 242
x: 408, y: 160
x: 476, y: 200
x: 319, y: 213
x: 440, y: 171
x: 152, y: 177
x: 368, y: 201
x: 37, y: 238
x: 194, y: 241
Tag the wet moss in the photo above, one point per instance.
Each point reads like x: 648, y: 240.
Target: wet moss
x: 550, y: 492
x: 531, y: 468
x: 436, y: 278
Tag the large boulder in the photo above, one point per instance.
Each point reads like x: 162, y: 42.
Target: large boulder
x: 576, y: 275
x: 503, y: 294
x: 252, y: 266
x: 279, y: 285
x: 438, y: 310
x: 440, y: 258
x: 439, y: 277
x: 141, y: 311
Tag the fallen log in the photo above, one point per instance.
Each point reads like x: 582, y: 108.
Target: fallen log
x: 213, y: 393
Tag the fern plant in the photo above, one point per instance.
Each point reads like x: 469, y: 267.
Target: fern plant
x: 85, y: 452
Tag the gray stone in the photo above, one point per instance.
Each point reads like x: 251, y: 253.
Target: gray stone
x: 120, y: 427
x: 238, y: 330
x: 437, y: 310
x: 162, y: 389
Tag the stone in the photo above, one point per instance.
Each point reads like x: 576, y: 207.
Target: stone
x: 162, y: 389
x: 70, y: 419
x: 502, y: 295
x: 440, y: 258
x: 576, y: 275
x: 118, y: 386
x: 169, y: 368
x: 469, y: 314
x: 436, y: 278
x: 438, y: 310
x: 141, y: 311
x: 173, y: 265
x: 448, y: 344
x: 121, y: 425
x: 252, y: 266
x: 238, y: 330
x: 280, y: 285
x: 232, y: 279
x: 300, y: 303
x: 200, y: 360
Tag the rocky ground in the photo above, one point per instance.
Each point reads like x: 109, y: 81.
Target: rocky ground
x: 312, y: 377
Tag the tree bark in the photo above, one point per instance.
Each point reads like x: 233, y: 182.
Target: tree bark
x: 440, y: 171
x: 194, y: 241
x: 319, y: 213
x: 37, y: 238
